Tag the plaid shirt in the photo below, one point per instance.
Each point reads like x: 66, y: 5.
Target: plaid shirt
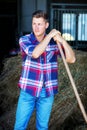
x: 40, y: 72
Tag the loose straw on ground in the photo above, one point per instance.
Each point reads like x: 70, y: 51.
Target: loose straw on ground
x: 73, y: 84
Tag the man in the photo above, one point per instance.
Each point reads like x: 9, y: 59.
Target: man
x: 38, y: 80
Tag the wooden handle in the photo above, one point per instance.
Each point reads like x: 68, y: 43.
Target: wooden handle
x: 73, y: 83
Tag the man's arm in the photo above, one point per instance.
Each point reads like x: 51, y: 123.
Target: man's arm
x: 41, y: 47
x: 69, y: 53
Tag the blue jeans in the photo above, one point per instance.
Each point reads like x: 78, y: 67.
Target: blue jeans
x: 25, y: 108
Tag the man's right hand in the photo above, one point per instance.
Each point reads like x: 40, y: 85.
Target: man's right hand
x: 53, y: 33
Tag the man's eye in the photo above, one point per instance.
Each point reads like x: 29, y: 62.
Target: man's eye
x: 40, y: 23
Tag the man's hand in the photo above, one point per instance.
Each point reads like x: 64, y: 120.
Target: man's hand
x: 53, y: 33
x: 69, y: 53
x: 58, y: 37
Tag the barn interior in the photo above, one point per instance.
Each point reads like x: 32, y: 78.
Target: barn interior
x: 8, y: 26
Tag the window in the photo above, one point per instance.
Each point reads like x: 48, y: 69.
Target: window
x: 69, y: 26
x: 82, y: 27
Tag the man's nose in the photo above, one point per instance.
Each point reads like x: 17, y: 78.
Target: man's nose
x: 37, y: 26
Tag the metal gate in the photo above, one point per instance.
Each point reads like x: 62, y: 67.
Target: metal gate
x: 71, y: 21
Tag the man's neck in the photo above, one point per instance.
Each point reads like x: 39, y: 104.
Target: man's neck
x: 40, y: 38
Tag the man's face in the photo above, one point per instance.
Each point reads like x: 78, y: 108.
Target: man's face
x: 39, y: 26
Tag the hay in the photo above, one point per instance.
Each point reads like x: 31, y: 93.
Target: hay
x: 65, y: 113
x: 8, y: 83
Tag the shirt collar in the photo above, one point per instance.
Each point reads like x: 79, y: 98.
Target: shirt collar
x: 33, y: 38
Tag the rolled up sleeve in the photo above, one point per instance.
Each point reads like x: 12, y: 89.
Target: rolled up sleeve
x: 26, y: 45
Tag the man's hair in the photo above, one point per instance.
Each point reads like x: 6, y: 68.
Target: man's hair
x: 39, y: 14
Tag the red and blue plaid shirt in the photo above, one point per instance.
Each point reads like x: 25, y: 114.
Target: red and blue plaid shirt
x: 40, y: 72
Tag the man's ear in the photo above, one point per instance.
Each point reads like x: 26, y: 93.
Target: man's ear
x: 47, y: 25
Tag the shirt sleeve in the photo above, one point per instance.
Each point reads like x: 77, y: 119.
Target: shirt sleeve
x: 26, y: 45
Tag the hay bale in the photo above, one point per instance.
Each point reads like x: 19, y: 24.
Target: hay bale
x: 66, y: 112
x: 8, y: 82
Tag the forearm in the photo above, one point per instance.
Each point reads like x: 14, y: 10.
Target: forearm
x: 41, y: 47
x: 69, y: 53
